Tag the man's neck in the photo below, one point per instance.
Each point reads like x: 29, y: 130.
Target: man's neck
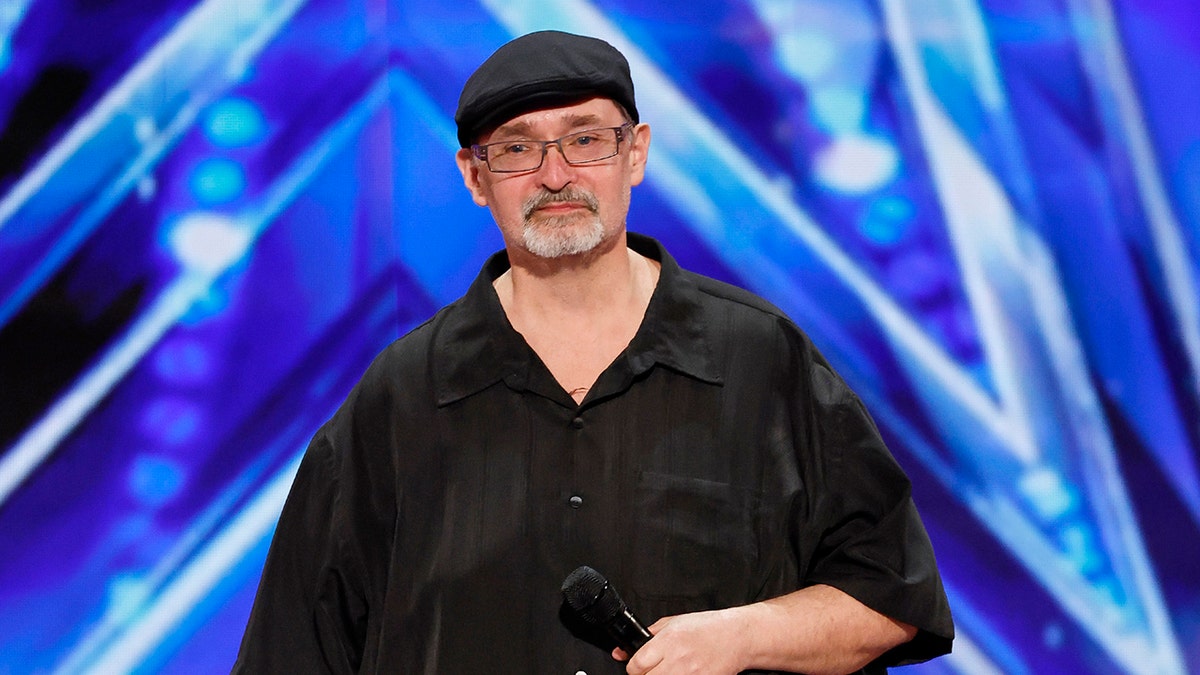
x: 580, y: 317
x: 574, y: 289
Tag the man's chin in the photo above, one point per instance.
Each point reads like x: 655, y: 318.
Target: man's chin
x: 561, y: 242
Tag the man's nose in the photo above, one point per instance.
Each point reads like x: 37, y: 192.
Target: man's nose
x: 556, y: 171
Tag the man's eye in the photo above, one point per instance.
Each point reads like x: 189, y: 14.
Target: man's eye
x: 514, y: 149
x: 584, y: 140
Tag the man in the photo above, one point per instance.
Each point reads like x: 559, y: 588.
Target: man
x: 588, y: 402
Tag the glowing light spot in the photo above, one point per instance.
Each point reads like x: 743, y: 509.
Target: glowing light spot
x: 171, y: 421
x: 217, y: 181
x: 857, y: 164
x: 154, y: 481
x: 888, y: 220
x: 1054, y: 636
x: 839, y: 110
x: 145, y: 129
x: 126, y: 593
x: 209, y: 243
x: 1047, y: 493
x: 1079, y: 545
x: 917, y: 274
x: 806, y: 54
x: 211, y: 305
x: 234, y: 123
x: 147, y: 187
x: 183, y: 361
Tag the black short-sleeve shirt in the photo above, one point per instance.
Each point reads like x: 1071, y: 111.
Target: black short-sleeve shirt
x: 716, y: 462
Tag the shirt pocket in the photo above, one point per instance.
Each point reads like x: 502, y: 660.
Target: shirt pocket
x: 696, y: 544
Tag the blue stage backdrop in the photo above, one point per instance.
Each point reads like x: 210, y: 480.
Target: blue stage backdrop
x: 986, y: 213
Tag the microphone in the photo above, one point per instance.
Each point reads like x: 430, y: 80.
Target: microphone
x: 596, y: 602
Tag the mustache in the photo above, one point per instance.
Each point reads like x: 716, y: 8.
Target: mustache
x: 546, y: 197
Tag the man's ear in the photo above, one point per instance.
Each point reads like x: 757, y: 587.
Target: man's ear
x: 469, y: 168
x: 639, y: 150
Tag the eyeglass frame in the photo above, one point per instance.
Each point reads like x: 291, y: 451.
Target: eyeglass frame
x: 479, y: 150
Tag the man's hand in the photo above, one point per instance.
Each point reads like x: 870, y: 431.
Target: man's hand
x: 703, y: 642
x: 817, y: 630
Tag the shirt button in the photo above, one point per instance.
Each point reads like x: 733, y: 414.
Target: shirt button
x: 577, y: 422
x: 576, y: 501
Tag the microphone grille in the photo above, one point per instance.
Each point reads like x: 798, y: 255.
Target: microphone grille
x: 589, y: 594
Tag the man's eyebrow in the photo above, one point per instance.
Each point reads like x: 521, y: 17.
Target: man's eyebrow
x: 524, y: 131
x: 514, y: 130
x: 577, y: 121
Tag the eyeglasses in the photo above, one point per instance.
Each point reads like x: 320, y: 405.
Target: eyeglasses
x: 581, y: 147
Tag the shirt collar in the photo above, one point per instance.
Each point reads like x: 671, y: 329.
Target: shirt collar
x: 476, y: 347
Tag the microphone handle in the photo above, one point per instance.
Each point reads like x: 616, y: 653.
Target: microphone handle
x: 628, y: 632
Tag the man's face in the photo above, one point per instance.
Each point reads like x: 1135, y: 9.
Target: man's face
x: 559, y: 210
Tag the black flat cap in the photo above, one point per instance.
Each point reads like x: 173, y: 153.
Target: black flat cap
x: 541, y: 70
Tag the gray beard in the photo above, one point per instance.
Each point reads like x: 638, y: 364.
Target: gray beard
x: 559, y: 237
x: 562, y: 236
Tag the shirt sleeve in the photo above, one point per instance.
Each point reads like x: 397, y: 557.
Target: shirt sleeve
x: 864, y: 535
x: 311, y: 612
x: 295, y: 625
